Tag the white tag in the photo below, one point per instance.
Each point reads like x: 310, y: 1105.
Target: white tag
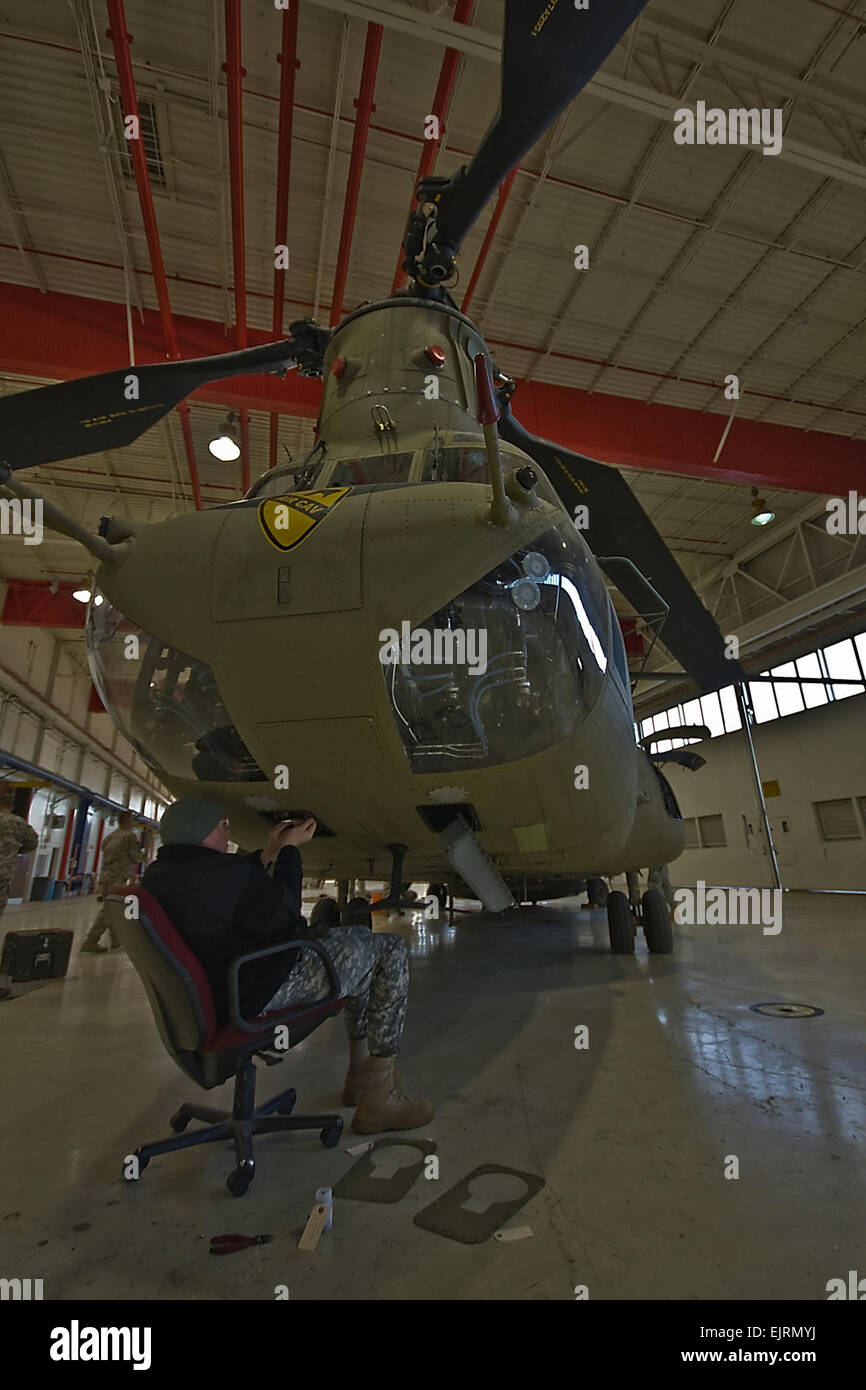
x: 514, y: 1233
x: 357, y: 1149
x: 313, y: 1229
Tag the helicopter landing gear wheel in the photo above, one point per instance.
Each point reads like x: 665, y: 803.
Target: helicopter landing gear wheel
x: 620, y: 924
x: 657, y: 926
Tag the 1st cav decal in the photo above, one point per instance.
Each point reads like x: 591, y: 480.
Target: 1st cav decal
x: 286, y: 521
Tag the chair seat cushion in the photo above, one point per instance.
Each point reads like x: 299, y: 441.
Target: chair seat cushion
x: 228, y: 1038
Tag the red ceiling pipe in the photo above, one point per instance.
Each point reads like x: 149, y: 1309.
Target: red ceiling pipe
x: 288, y: 60
x: 502, y: 199
x: 365, y: 108
x: 234, y: 75
x: 121, y: 40
x: 441, y: 102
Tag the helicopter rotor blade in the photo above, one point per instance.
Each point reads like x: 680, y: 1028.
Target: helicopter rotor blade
x: 618, y: 525
x: 111, y: 410
x: 549, y: 53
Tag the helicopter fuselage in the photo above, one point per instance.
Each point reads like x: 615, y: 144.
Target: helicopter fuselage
x: 360, y: 640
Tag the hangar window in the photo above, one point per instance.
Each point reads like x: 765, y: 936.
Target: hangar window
x: 149, y: 129
x: 836, y: 819
x: 712, y: 830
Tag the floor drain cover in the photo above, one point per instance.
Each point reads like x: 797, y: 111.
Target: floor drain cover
x: 787, y: 1010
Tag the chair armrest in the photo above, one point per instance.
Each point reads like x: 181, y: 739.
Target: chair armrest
x: 237, y: 1018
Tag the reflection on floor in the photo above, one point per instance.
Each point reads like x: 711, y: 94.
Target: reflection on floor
x: 632, y: 1134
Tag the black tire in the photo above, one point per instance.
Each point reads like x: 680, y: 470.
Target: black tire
x: 330, y: 1136
x: 178, y: 1123
x: 657, y: 927
x: 288, y: 1104
x: 238, y: 1181
x: 620, y: 924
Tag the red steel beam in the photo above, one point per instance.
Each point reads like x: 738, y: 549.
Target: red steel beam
x: 64, y: 336
x: 121, y: 40
x: 288, y: 60
x: 365, y: 108
x: 234, y: 75
x: 501, y: 200
x: 441, y: 102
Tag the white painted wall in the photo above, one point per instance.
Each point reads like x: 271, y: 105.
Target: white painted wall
x: 817, y: 755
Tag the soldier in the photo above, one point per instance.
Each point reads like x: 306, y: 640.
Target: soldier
x: 120, y: 854
x: 16, y: 837
x: 227, y: 905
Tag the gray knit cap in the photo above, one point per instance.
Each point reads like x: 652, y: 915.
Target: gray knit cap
x: 190, y: 820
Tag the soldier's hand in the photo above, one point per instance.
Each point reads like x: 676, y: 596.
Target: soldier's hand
x: 297, y: 834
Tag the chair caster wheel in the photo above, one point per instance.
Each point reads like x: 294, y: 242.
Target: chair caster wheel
x: 238, y: 1181
x: 287, y: 1106
x: 178, y: 1122
x: 330, y: 1136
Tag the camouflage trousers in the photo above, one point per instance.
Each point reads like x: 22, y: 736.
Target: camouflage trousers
x: 102, y: 921
x: 373, y: 969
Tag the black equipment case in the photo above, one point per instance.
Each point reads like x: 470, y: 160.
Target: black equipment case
x: 36, y: 955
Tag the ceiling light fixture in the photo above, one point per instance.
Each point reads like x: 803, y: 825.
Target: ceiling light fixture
x: 761, y: 514
x: 225, y: 446
x: 83, y: 595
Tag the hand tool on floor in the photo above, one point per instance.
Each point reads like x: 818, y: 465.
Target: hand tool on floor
x: 227, y: 1245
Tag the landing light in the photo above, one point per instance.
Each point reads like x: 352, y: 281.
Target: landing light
x: 83, y: 595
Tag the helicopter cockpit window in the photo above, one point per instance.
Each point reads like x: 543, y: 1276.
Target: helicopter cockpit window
x: 454, y: 465
x: 284, y: 479
x: 382, y: 468
x: 167, y: 703
x: 510, y: 667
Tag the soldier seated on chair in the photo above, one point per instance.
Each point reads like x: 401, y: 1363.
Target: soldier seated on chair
x: 228, y: 905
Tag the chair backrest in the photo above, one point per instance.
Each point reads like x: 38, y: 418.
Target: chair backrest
x: 176, y: 985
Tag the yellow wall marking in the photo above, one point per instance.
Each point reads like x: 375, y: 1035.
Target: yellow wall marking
x: 286, y: 521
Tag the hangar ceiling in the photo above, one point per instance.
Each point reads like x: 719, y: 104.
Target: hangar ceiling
x: 703, y: 261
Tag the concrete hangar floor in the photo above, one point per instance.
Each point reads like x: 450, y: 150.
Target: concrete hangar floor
x: 631, y: 1135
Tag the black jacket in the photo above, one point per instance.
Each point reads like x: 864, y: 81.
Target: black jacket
x: 227, y: 905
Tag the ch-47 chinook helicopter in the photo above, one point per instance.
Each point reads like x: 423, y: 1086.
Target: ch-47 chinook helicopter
x: 403, y: 634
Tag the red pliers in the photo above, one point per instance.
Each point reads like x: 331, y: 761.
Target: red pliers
x: 227, y: 1245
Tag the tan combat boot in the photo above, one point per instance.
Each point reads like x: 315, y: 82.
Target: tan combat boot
x: 381, y: 1106
x: 358, y: 1055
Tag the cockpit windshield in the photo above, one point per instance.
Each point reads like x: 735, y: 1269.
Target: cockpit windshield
x: 166, y: 703
x: 509, y: 667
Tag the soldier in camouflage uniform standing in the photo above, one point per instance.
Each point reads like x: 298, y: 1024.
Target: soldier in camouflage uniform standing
x: 120, y: 854
x: 16, y: 837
